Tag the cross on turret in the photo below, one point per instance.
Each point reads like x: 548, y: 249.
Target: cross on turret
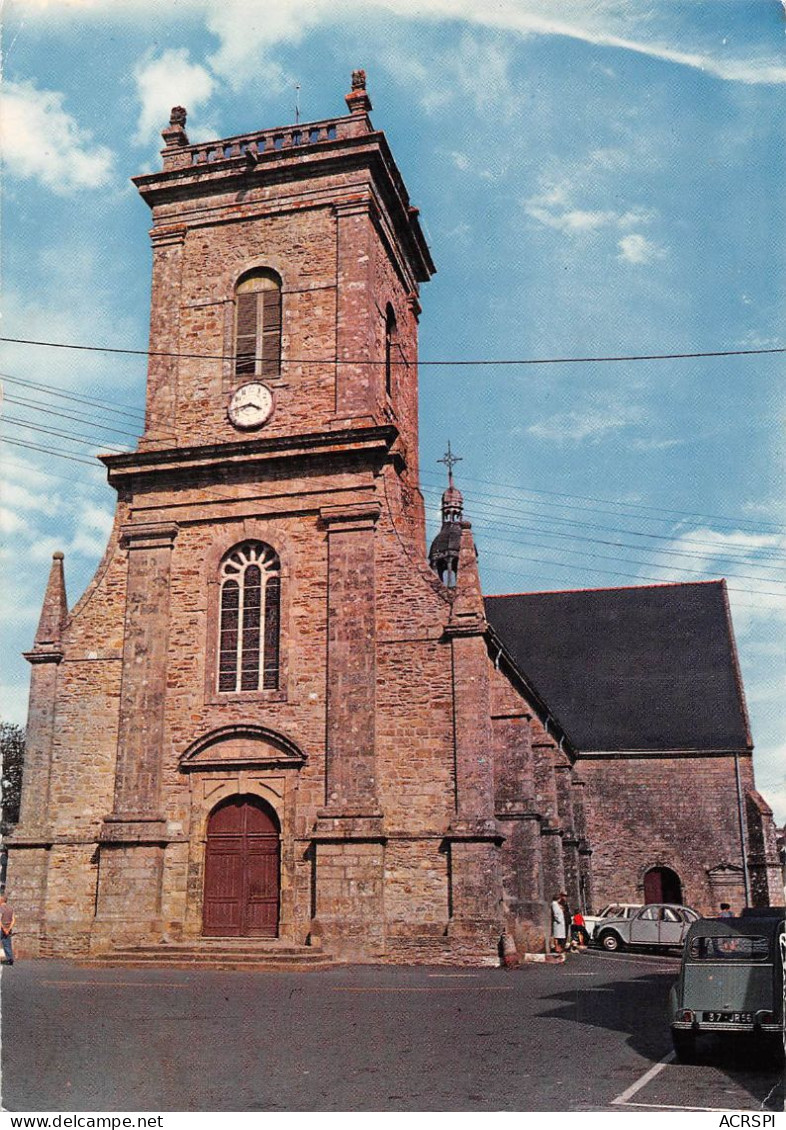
x: 450, y: 460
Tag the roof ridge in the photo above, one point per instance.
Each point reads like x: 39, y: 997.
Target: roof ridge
x: 608, y: 588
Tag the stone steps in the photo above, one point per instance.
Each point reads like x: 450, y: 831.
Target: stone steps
x: 216, y: 953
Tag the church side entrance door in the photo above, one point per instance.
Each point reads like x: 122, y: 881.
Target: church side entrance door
x: 241, y: 871
x: 661, y: 884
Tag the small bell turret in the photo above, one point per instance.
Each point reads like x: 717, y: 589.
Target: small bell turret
x: 444, y: 553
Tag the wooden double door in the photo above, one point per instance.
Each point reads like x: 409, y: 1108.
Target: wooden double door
x: 242, y: 868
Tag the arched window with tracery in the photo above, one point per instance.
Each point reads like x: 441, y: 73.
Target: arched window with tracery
x: 258, y: 325
x: 250, y: 619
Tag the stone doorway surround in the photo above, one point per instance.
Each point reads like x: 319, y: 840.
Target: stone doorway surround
x: 260, y: 765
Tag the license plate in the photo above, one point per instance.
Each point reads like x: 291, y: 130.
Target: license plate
x: 728, y: 1017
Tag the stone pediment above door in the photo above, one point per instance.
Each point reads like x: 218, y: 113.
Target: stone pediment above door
x: 245, y: 746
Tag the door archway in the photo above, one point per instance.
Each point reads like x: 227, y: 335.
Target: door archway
x: 661, y: 884
x: 242, y: 870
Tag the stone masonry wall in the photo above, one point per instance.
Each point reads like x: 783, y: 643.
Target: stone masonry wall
x: 678, y: 812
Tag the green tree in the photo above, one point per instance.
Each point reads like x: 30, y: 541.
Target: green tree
x: 12, y: 751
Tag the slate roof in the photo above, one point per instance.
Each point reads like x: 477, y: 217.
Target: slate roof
x: 648, y: 668
x: 447, y: 542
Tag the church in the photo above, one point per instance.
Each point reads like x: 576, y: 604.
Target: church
x: 276, y: 714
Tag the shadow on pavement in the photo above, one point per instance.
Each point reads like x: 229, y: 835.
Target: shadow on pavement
x: 620, y: 1005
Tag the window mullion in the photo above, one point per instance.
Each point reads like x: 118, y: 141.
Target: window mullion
x: 260, y: 333
x: 241, y: 616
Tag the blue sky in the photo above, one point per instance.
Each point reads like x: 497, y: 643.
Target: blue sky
x: 595, y: 178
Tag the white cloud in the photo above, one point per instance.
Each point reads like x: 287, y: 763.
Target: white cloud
x: 14, y: 699
x: 592, y: 424
x: 18, y: 479
x: 555, y: 207
x: 169, y: 80
x: 42, y: 141
x: 10, y: 521
x: 74, y: 277
x: 94, y: 525
x: 751, y: 562
x: 637, y: 249
x: 571, y: 220
x: 656, y: 444
x: 771, y: 782
x: 248, y: 30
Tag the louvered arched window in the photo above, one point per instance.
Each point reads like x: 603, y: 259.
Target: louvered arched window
x: 258, y: 325
x: 391, y: 337
x: 250, y: 616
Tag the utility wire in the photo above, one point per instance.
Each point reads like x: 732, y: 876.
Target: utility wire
x: 138, y: 414
x: 22, y: 402
x: 60, y: 434
x: 495, y: 537
x: 94, y: 402
x: 573, y: 522
x: 717, y: 551
x: 60, y: 454
x: 648, y: 512
x: 632, y: 576
x: 606, y: 501
x: 499, y: 529
x: 28, y: 468
x: 508, y: 556
x: 559, y: 587
x: 384, y: 361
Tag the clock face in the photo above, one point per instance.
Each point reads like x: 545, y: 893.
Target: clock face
x: 251, y: 405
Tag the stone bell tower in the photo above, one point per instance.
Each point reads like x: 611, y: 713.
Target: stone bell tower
x: 281, y: 389
x: 267, y: 717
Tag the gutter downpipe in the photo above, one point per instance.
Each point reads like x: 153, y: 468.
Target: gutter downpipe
x: 741, y: 818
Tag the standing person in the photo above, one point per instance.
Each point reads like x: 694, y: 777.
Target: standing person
x: 725, y: 911
x: 558, y: 924
x: 578, y: 930
x: 566, y: 913
x: 6, y: 928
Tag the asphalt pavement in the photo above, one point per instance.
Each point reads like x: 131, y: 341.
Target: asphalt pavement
x: 587, y: 1035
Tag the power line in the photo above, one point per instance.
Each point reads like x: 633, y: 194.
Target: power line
x: 633, y: 576
x: 93, y: 402
x: 499, y: 530
x: 23, y: 402
x: 573, y: 522
x: 27, y: 468
x: 717, y: 551
x: 647, y: 510
x: 509, y: 556
x: 48, y: 451
x: 556, y: 582
x: 583, y: 553
x: 60, y: 434
x: 606, y: 501
x: 462, y: 362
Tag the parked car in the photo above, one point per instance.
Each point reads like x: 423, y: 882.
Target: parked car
x: 731, y: 981
x: 658, y: 924
x: 613, y: 910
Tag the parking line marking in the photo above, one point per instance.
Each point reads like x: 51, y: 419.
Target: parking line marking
x: 640, y: 959
x: 709, y: 1109
x: 634, y: 1088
